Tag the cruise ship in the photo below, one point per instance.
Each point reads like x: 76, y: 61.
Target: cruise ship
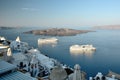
x: 47, y: 40
x: 82, y: 48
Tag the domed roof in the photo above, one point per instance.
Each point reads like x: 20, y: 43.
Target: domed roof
x: 77, y: 67
x: 58, y: 73
x: 78, y: 74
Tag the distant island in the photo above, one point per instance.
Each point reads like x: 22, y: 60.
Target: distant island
x: 58, y: 32
x: 5, y: 27
x: 109, y: 27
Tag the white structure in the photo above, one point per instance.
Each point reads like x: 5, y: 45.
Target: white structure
x: 44, y: 60
x: 2, y: 38
x: 18, y: 45
x: 18, y: 39
x: 100, y: 76
x: 3, y: 47
x: 113, y: 75
x: 77, y: 75
x: 48, y: 40
x: 3, y: 41
x: 34, y: 60
x: 30, y: 66
x: 88, y: 53
x: 34, y: 66
x: 52, y: 44
x: 82, y: 48
x: 18, y: 57
x: 7, y: 55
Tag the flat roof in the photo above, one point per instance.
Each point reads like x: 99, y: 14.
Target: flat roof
x: 16, y: 76
x: 5, y: 66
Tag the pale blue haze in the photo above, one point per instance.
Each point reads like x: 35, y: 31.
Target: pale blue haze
x: 59, y: 12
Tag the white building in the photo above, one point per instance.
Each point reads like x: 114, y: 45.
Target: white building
x: 18, y: 45
x: 100, y: 76
x: 44, y: 60
x: 7, y: 55
x: 34, y: 70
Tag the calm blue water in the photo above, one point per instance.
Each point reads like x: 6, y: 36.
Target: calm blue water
x: 106, y: 57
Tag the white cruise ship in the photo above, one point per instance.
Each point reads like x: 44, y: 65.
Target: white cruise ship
x: 82, y: 48
x: 47, y: 40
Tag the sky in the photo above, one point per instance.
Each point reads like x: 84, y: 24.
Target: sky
x: 59, y: 12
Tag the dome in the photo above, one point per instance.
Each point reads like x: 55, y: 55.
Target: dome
x: 58, y: 73
x: 77, y: 67
x: 99, y: 75
x: 78, y: 74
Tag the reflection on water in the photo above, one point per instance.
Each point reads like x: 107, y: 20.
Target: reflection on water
x: 52, y: 44
x: 87, y: 53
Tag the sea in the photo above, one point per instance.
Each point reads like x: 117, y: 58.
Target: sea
x: 105, y: 58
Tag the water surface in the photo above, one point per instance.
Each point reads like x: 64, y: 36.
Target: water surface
x: 105, y: 58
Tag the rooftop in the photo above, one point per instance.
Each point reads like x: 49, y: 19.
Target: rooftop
x: 5, y: 66
x: 16, y: 76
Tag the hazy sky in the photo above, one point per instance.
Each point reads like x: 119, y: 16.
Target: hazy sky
x: 59, y: 12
